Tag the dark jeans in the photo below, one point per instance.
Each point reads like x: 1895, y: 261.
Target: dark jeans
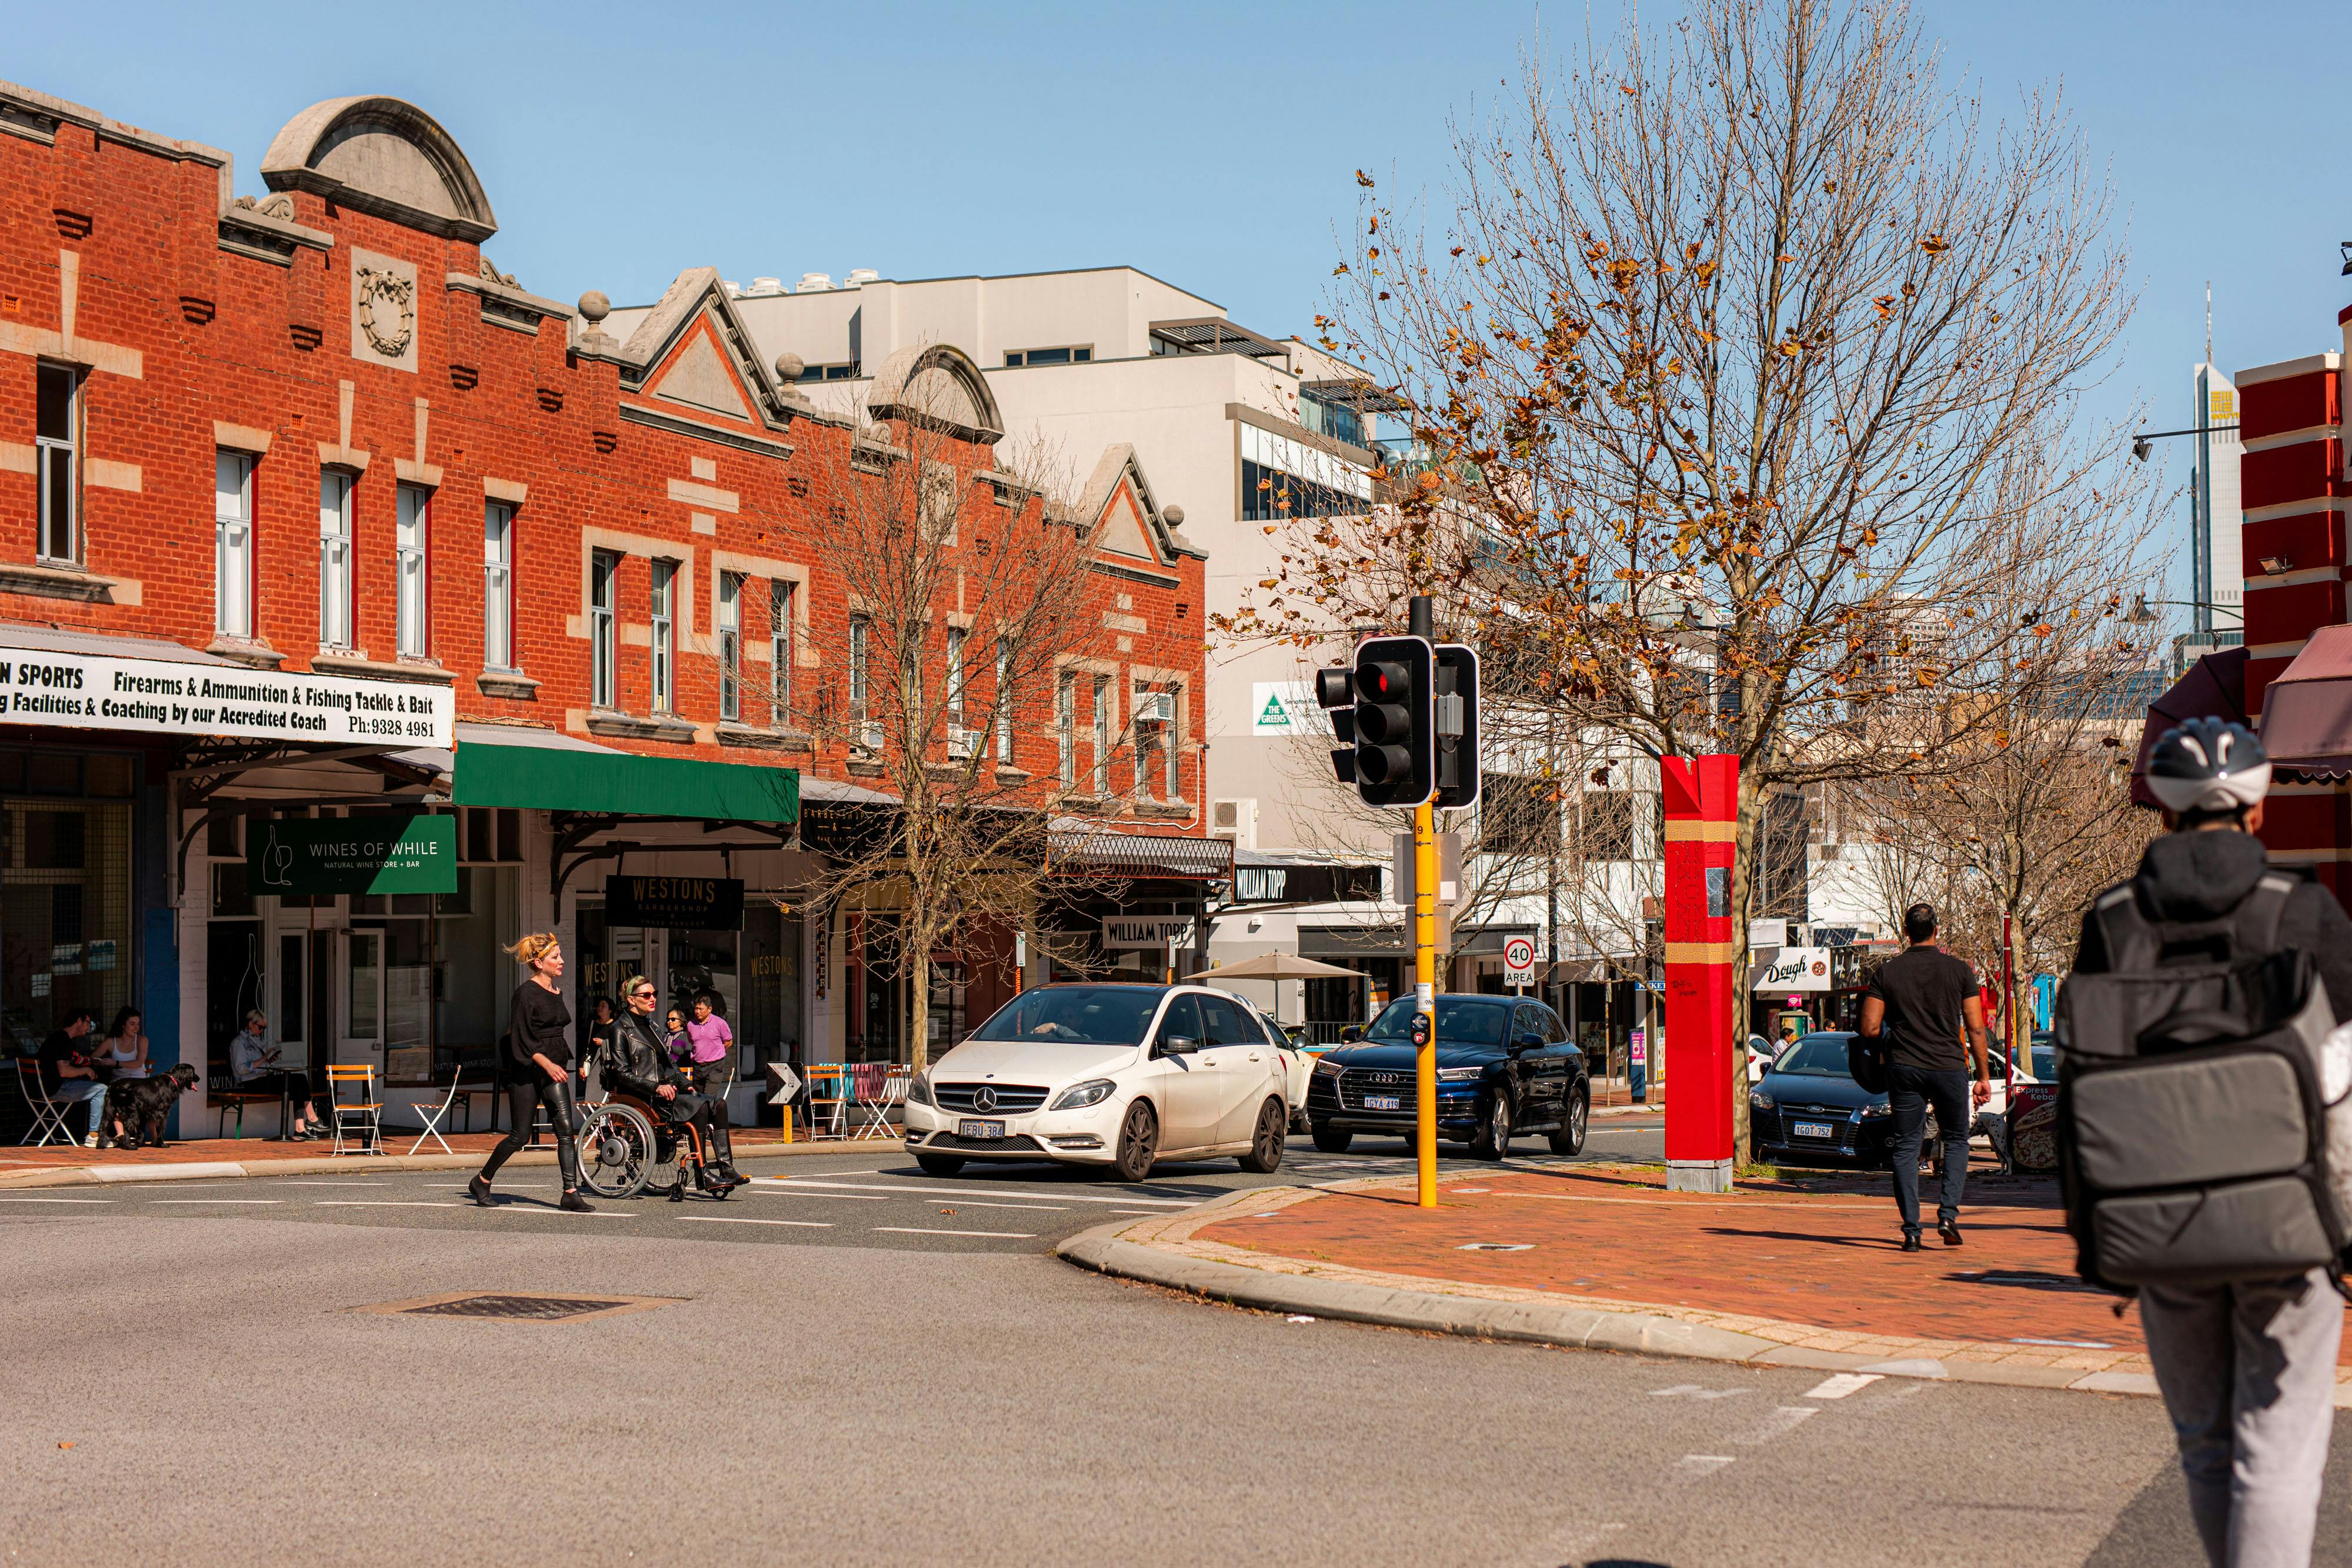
x: 711, y: 1081
x: 1909, y: 1092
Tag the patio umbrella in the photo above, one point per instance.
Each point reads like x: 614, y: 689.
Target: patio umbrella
x: 1282, y: 967
x: 2215, y: 687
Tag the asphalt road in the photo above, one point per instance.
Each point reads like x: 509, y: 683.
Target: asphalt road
x: 911, y: 1384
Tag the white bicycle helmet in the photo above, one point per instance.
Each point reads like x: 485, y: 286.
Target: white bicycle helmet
x: 2211, y: 765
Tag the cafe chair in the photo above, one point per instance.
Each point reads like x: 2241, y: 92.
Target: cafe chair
x: 435, y: 1115
x: 363, y: 1115
x: 48, y: 1116
x: 828, y: 1096
x: 881, y: 1086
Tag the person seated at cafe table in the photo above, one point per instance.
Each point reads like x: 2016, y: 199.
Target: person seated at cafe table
x: 254, y: 1064
x: 68, y: 1073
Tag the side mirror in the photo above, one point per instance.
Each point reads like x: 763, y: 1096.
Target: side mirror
x: 1178, y: 1045
x: 1351, y: 1034
x: 1527, y: 1043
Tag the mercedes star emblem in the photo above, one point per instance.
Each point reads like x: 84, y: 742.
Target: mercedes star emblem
x: 983, y: 1098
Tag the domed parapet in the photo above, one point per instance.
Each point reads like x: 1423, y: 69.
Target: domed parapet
x: 386, y: 157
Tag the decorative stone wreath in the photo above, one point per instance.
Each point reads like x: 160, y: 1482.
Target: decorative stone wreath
x: 382, y: 292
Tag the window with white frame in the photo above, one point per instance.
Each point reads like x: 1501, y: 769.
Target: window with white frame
x: 956, y: 635
x: 1066, y: 731
x: 1155, y: 742
x: 729, y: 621
x: 603, y: 570
x: 231, y: 543
x: 1004, y: 702
x: 665, y: 579
x: 413, y: 527
x: 56, y: 440
x: 1102, y: 735
x: 780, y: 649
x: 497, y: 585
x: 867, y: 734
x: 334, y: 558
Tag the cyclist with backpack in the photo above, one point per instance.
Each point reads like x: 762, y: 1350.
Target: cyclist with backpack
x: 2195, y: 1073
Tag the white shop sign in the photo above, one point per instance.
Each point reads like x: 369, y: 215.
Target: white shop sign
x: 1153, y: 931
x: 1792, y: 970
x: 163, y: 697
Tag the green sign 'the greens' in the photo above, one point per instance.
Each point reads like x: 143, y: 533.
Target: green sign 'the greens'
x: 352, y: 854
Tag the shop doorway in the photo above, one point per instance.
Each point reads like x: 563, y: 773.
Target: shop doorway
x: 360, y: 1033
x: 232, y: 985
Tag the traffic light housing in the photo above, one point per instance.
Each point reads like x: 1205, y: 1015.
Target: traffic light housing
x: 1394, y: 684
x: 1455, y: 711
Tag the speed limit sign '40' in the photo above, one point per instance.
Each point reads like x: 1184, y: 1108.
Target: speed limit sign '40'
x: 1519, y: 961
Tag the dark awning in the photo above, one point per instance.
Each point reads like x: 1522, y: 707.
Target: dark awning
x: 1103, y: 851
x: 622, y: 784
x: 2308, y: 710
x: 2213, y: 688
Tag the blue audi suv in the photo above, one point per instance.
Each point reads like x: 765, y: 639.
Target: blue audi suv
x: 1504, y: 1067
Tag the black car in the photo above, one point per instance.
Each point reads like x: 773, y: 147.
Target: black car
x: 1504, y: 1067
x: 1809, y: 1108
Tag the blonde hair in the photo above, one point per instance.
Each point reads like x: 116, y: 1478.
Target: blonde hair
x: 533, y: 947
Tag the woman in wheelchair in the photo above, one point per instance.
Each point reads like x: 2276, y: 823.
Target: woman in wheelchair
x: 640, y: 1068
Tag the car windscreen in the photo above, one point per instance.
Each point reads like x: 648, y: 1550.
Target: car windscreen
x: 1076, y: 1015
x: 1460, y: 1021
x: 1815, y: 1056
x: 2045, y: 1062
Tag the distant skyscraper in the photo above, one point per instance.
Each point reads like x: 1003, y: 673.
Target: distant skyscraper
x: 2216, y: 565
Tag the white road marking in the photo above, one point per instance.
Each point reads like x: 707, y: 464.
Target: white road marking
x: 289, y: 1181
x: 1055, y: 1208
x: 1844, y: 1384
x: 56, y: 1201
x: 1706, y: 1463
x: 379, y: 1203
x: 800, y: 1184
x: 747, y: 1220
x: 1779, y: 1424
x: 1693, y: 1391
x: 216, y: 1201
x: 926, y: 1230
x: 787, y: 1192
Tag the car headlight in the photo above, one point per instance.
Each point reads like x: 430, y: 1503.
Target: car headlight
x: 1873, y: 1111
x: 919, y: 1092
x: 1078, y: 1096
x: 1326, y: 1067
x: 1759, y: 1100
x: 1460, y: 1074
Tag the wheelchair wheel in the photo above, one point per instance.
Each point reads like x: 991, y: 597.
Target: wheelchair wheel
x: 616, y: 1152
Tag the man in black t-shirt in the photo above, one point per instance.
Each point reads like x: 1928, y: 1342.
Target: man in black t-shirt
x: 1922, y: 1005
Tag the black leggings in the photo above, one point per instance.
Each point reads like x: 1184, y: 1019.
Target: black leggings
x: 524, y: 1097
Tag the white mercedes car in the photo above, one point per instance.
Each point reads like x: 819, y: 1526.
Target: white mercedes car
x: 1111, y: 1075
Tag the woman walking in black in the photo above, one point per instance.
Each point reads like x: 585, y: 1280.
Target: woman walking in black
x: 539, y: 1071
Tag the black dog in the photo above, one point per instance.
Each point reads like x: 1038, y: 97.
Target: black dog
x: 142, y: 1104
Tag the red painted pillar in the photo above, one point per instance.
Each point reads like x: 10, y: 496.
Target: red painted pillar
x: 1702, y: 801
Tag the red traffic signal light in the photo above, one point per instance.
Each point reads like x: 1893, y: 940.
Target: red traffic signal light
x: 1396, y: 750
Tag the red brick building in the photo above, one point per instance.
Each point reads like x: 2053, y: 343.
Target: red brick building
x: 308, y: 444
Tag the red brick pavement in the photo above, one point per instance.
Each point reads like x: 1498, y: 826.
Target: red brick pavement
x: 1822, y: 1252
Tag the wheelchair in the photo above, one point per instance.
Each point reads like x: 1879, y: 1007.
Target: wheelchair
x: 626, y: 1149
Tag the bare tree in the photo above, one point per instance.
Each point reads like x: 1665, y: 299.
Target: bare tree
x: 1730, y: 355
x: 966, y: 595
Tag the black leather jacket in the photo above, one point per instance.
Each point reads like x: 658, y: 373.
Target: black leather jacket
x: 639, y: 1063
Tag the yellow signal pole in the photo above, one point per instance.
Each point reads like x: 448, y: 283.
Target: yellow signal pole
x: 1425, y: 962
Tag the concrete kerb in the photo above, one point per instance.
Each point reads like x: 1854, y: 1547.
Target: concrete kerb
x: 355, y: 1165
x: 1105, y: 1250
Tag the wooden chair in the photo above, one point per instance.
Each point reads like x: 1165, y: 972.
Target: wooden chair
x: 365, y: 1114
x: 831, y: 1096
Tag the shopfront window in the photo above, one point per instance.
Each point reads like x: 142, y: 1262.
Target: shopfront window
x: 64, y: 908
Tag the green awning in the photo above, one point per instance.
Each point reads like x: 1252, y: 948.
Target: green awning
x: 620, y: 783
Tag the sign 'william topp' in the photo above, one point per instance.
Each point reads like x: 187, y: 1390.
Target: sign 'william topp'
x: 89, y: 691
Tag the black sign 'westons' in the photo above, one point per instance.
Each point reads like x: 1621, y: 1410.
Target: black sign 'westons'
x: 676, y: 903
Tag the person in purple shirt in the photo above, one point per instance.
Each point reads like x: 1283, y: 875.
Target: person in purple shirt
x: 710, y: 1050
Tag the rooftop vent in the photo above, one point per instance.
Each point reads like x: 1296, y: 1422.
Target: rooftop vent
x: 762, y: 287
x: 859, y: 277
x: 734, y: 289
x: 814, y: 283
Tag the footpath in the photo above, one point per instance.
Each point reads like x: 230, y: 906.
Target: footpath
x: 1791, y: 1272
x: 211, y: 1158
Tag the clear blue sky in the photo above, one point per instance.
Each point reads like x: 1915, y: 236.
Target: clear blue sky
x: 1214, y: 145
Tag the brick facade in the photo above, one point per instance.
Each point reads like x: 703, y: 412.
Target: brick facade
x: 193, y: 325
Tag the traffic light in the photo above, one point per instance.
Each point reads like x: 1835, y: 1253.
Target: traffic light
x: 1455, y: 719
x: 1395, y: 732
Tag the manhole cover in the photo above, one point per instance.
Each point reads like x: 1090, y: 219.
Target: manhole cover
x: 519, y: 1306
x: 1496, y: 1247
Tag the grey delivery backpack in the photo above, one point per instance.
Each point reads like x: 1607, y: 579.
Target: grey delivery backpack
x: 2196, y: 1142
